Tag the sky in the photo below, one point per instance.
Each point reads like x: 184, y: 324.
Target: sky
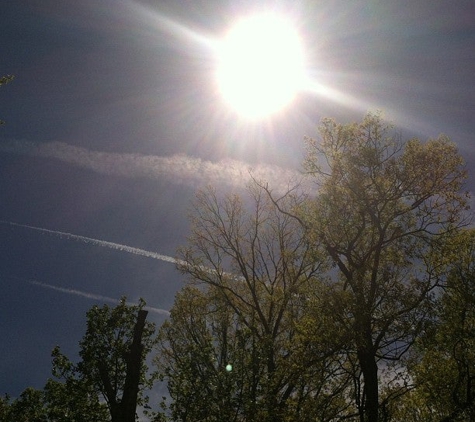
x: 115, y: 119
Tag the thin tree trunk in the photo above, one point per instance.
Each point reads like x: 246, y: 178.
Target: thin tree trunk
x: 134, y: 359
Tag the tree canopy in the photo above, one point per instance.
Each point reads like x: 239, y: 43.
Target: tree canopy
x: 342, y: 278
x: 257, y: 276
x: 382, y: 207
x: 443, y: 365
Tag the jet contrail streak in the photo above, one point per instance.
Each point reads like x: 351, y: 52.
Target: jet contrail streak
x: 98, y: 242
x: 89, y: 295
x: 116, y: 246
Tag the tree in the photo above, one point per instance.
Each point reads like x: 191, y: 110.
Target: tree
x: 5, y: 408
x: 382, y: 210
x: 4, y: 80
x: 258, y: 277
x: 193, y: 358
x: 381, y: 206
x: 444, y: 369
x: 112, y: 365
x: 73, y: 401
x: 106, y: 384
x: 29, y: 407
x: 57, y: 402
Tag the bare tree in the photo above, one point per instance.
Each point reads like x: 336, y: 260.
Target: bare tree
x: 260, y: 277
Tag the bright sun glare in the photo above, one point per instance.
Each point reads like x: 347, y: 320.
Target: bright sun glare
x: 261, y: 65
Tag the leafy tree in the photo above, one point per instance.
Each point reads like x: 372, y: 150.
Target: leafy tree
x: 5, y: 408
x: 109, y: 381
x: 73, y: 401
x: 112, y: 365
x: 29, y: 407
x: 194, y: 361
x: 258, y: 277
x: 382, y: 205
x: 4, y: 80
x: 58, y: 402
x: 444, y: 372
x: 382, y: 211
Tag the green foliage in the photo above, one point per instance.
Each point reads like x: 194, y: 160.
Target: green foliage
x: 58, y: 402
x: 304, y: 307
x: 382, y: 206
x: 383, y: 210
x: 258, y: 277
x: 29, y: 407
x: 73, y: 401
x: 104, y: 367
x: 309, y: 297
x: 198, y: 381
x: 204, y: 336
x: 5, y: 408
x: 444, y: 369
x: 94, y: 389
x: 4, y: 80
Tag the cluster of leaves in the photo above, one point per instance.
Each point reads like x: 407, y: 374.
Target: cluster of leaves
x: 4, y: 80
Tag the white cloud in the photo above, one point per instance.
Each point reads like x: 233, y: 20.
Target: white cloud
x: 179, y: 169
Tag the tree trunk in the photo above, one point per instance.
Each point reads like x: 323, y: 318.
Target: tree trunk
x: 128, y: 404
x: 369, y: 368
x: 124, y: 411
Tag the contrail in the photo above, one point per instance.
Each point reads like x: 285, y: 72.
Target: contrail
x: 178, y: 169
x: 98, y: 242
x: 112, y: 245
x: 88, y: 295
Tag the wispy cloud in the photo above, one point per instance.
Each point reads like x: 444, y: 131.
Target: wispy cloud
x: 178, y: 169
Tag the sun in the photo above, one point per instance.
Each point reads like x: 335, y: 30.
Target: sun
x: 261, y: 65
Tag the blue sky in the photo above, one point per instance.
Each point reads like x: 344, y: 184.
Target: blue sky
x: 114, y: 120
